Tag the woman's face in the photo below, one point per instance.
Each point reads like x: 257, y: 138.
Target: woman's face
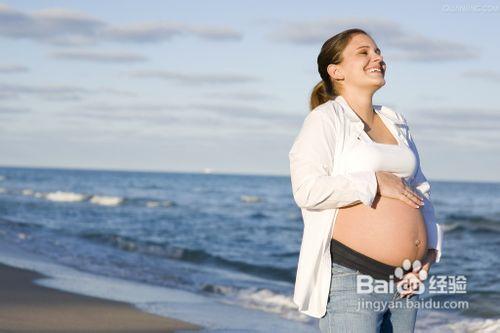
x: 362, y: 67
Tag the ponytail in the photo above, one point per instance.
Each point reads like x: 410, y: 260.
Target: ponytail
x: 319, y: 95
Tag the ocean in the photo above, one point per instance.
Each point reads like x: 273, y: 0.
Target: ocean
x: 231, y: 240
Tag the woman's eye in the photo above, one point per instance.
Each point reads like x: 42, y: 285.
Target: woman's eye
x: 364, y: 52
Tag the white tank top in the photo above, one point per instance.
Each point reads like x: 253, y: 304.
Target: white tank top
x: 368, y: 155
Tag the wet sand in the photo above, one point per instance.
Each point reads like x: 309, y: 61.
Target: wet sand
x: 27, y: 307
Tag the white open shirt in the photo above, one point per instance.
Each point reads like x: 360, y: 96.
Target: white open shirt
x: 321, y: 185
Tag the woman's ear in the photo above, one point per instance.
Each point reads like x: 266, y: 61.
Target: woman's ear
x: 335, y: 72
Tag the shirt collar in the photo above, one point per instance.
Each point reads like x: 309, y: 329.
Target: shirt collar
x: 380, y: 109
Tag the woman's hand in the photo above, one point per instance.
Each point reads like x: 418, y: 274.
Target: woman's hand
x: 391, y: 186
x: 416, y: 277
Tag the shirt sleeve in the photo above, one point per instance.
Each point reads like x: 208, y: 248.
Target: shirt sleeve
x: 421, y: 184
x: 312, y: 183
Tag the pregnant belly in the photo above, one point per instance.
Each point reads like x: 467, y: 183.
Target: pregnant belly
x: 390, y: 231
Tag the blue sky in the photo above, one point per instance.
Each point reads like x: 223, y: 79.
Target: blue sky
x: 224, y: 85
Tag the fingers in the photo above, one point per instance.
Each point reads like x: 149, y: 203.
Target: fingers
x: 410, y: 284
x: 410, y: 197
x: 408, y: 201
x: 413, y: 280
x: 397, y: 188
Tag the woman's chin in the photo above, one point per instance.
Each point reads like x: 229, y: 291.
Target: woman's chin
x: 374, y: 83
x: 379, y: 84
x: 375, y: 87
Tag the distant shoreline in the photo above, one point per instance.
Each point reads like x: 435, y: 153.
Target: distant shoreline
x: 213, y: 172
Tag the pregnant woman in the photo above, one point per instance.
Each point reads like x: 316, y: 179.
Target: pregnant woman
x: 356, y: 176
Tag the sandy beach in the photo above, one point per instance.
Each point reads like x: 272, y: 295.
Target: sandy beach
x: 27, y: 307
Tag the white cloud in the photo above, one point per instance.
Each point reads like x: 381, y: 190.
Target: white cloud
x: 194, y: 79
x: 56, y: 92
x: 483, y: 74
x: 13, y: 69
x: 406, y: 45
x: 65, y: 27
x: 99, y: 56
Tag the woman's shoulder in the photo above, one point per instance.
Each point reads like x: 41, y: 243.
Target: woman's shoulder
x: 396, y: 116
x: 333, y: 111
x: 330, y: 109
x: 319, y: 113
x: 323, y: 107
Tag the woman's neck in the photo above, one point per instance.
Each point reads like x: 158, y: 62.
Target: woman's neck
x: 361, y: 103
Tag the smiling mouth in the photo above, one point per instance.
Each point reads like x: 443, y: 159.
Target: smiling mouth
x: 375, y: 70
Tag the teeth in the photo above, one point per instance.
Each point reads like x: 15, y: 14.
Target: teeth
x: 375, y: 70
